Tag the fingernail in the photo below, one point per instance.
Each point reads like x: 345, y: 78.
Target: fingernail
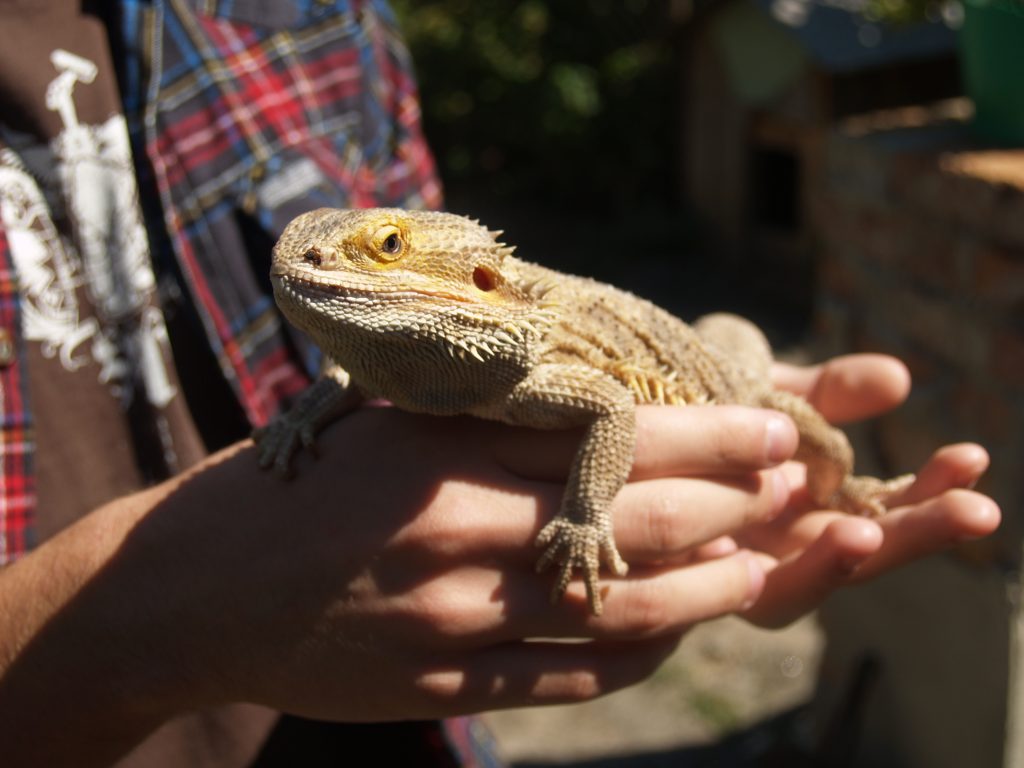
x: 755, y: 581
x: 777, y: 442
x: 986, y: 519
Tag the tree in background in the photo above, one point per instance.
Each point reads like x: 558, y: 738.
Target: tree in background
x: 570, y: 104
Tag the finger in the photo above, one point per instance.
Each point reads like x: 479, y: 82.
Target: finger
x: 490, y: 606
x: 848, y: 388
x: 952, y: 466
x: 839, y: 549
x: 799, y: 524
x: 714, y: 440
x: 663, y: 520
x: 533, y: 673
x: 655, y: 602
x: 798, y: 585
x: 720, y: 547
x: 654, y: 520
x: 932, y: 526
x: 671, y: 441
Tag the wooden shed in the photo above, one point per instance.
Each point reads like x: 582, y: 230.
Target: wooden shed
x: 763, y: 80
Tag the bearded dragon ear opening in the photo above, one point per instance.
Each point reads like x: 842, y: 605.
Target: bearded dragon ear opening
x: 484, y: 279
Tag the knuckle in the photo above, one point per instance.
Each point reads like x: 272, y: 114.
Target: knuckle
x: 645, y: 611
x: 738, y: 437
x: 436, y: 609
x: 730, y: 448
x: 580, y: 685
x: 445, y: 529
x: 437, y: 686
x: 664, y: 524
x: 448, y: 609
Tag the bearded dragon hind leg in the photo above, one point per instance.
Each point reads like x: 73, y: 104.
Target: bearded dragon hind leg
x: 869, y: 496
x: 579, y: 545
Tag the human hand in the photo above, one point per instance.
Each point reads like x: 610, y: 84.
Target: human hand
x: 394, y: 578
x: 808, y: 553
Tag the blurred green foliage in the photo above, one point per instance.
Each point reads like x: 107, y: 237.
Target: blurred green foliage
x: 902, y: 11
x: 571, y: 103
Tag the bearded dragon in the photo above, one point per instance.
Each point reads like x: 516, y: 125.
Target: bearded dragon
x: 433, y: 313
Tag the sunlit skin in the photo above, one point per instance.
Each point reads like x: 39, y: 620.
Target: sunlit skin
x: 396, y: 579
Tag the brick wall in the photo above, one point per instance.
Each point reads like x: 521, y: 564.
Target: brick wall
x: 920, y: 244
x: 922, y: 255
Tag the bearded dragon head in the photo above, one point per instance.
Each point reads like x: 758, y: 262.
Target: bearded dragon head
x: 420, y: 274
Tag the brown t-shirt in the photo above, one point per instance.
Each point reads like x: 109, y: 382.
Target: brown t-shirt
x: 110, y: 415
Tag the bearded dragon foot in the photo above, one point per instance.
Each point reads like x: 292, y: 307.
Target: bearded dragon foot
x: 281, y: 439
x: 869, y: 496
x: 329, y: 398
x: 584, y: 546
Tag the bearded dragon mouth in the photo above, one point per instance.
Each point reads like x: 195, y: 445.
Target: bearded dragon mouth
x: 313, y: 288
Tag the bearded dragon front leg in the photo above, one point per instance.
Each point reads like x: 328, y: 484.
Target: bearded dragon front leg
x: 330, y: 397
x: 580, y: 536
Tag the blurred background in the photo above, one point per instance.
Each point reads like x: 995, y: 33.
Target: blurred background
x: 848, y: 173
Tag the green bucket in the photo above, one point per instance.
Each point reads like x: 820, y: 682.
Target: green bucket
x: 992, y: 60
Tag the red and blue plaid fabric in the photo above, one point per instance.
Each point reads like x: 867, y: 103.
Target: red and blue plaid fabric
x: 241, y: 114
x: 248, y: 113
x: 17, y: 486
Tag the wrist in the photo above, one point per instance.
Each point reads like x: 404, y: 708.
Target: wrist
x: 86, y: 668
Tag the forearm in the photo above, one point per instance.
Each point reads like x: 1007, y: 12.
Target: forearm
x: 85, y: 672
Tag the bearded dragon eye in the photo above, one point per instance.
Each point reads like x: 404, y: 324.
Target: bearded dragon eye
x: 312, y: 256
x: 387, y: 243
x: 391, y: 243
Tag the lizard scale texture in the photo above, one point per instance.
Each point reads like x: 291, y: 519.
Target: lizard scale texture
x: 432, y: 312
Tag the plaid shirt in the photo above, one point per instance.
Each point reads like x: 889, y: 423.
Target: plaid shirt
x: 17, y: 484
x: 250, y: 113
x: 241, y: 115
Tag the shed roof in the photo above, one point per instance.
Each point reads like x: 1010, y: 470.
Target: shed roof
x: 837, y: 37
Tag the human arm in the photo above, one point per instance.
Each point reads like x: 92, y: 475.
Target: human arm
x: 393, y: 579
